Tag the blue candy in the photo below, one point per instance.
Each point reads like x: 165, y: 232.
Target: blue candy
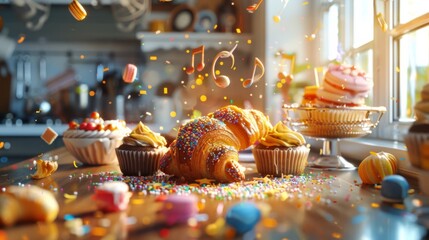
x: 243, y: 217
x: 394, y: 188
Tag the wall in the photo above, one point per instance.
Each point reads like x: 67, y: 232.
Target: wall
x: 289, y: 36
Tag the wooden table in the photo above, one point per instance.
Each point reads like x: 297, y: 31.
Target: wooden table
x: 317, y: 205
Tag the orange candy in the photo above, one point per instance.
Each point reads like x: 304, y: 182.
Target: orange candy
x: 376, y: 166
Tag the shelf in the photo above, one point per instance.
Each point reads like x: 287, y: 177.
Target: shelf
x: 164, y: 41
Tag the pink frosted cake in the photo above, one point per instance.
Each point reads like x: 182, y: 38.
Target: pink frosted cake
x: 94, y: 140
x: 343, y: 86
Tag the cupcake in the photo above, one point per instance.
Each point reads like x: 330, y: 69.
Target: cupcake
x: 283, y: 151
x: 417, y: 139
x: 94, y: 140
x: 141, y: 152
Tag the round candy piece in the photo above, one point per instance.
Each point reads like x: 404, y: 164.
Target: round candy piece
x: 394, y: 188
x: 243, y: 217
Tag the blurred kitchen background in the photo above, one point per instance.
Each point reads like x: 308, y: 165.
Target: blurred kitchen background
x: 55, y: 69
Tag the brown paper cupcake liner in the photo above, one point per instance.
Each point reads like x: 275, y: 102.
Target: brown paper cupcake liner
x: 139, y: 163
x: 99, y: 152
x: 414, y: 142
x: 281, y: 161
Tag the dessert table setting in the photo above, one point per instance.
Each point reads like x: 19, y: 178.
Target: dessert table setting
x: 231, y: 174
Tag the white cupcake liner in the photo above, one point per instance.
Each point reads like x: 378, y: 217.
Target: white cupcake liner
x: 281, y: 161
x: 140, y: 163
x: 414, y: 142
x: 98, y: 151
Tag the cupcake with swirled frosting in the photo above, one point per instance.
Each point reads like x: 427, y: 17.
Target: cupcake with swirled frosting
x: 141, y: 151
x: 282, y: 152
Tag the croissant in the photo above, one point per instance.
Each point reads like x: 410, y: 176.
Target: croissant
x: 248, y: 125
x: 204, y: 148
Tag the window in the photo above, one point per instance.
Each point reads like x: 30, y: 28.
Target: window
x: 396, y: 57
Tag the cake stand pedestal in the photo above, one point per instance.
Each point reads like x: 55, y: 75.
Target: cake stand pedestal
x: 330, y: 125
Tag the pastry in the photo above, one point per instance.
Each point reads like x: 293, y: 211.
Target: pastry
x: 417, y: 138
x: 205, y: 148
x: 141, y: 151
x: 281, y: 152
x: 376, y: 166
x: 130, y: 73
x: 310, y: 96
x: 93, y: 141
x: 112, y: 196
x: 27, y: 204
x: 422, y: 107
x: 247, y: 125
x: 77, y: 10
x: 179, y: 208
x: 344, y: 86
x: 44, y: 168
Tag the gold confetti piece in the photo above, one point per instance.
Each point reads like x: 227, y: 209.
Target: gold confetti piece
x: 1, y: 145
x: 69, y: 196
x: 397, y: 69
x: 149, y: 86
x: 153, y: 58
x: 172, y: 114
x: 98, y: 231
x: 20, y: 39
x: 276, y: 19
x: 375, y: 205
x: 381, y: 22
x: 143, y: 92
x: 249, y: 41
x: 398, y: 206
x: 203, y: 98
x: 165, y: 90
x: 336, y: 235
x: 137, y: 201
x: 238, y: 30
x: 75, y: 164
x: 269, y: 222
x: 77, y: 10
x: 199, y: 81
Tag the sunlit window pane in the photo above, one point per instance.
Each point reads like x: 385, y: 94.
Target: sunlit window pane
x: 411, y: 9
x: 413, y: 70
x: 363, y: 22
x: 364, y: 61
x: 332, y: 32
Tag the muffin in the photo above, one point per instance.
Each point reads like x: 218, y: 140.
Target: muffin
x: 417, y: 139
x: 141, y: 152
x: 283, y: 151
x: 93, y: 141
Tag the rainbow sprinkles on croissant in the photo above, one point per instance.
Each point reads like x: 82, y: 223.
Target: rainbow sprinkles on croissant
x: 207, y: 147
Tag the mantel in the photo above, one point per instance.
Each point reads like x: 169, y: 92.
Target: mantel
x: 164, y: 41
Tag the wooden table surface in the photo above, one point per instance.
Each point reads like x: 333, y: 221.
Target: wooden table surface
x: 316, y: 205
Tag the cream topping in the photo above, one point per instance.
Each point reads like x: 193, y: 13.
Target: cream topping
x: 283, y: 136
x: 143, y: 136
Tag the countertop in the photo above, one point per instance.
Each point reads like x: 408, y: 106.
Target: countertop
x: 315, y: 205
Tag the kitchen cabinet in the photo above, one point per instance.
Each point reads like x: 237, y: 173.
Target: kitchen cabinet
x: 177, y: 40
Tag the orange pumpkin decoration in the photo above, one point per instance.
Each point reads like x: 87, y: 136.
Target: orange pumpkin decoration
x: 376, y: 166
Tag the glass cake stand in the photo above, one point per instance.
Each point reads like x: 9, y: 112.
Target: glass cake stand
x: 331, y: 125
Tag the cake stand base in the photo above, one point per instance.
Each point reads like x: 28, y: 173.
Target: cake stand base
x: 330, y: 158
